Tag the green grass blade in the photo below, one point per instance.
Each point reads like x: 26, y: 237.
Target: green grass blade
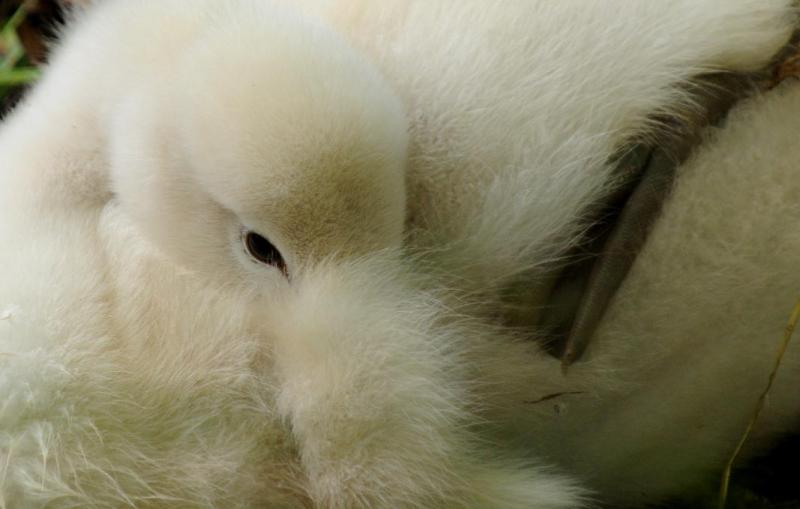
x: 20, y: 76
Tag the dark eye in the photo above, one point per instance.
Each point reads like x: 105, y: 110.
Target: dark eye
x: 263, y: 251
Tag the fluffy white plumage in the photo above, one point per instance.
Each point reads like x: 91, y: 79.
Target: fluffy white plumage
x: 410, y: 160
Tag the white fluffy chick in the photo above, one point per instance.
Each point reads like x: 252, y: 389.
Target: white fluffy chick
x: 255, y: 130
x: 205, y: 302
x: 249, y: 132
x: 208, y: 336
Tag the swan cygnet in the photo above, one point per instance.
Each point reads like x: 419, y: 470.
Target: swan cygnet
x: 275, y: 138
x: 248, y: 144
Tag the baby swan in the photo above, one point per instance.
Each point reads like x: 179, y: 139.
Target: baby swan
x: 269, y: 135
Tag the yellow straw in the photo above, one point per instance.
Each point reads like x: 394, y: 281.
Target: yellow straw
x: 787, y: 336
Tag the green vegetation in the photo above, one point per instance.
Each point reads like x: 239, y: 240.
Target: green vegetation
x: 15, y: 69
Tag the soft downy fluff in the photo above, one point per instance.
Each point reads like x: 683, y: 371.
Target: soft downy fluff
x: 408, y: 161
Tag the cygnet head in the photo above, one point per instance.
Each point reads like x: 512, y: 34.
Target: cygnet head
x: 271, y: 144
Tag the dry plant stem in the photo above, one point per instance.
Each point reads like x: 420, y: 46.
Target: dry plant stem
x: 787, y: 336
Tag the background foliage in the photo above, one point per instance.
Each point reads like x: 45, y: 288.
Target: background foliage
x: 26, y: 27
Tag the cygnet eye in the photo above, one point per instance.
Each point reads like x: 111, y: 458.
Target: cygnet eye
x: 263, y: 251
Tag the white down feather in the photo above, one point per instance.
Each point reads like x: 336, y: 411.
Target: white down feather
x: 409, y: 160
